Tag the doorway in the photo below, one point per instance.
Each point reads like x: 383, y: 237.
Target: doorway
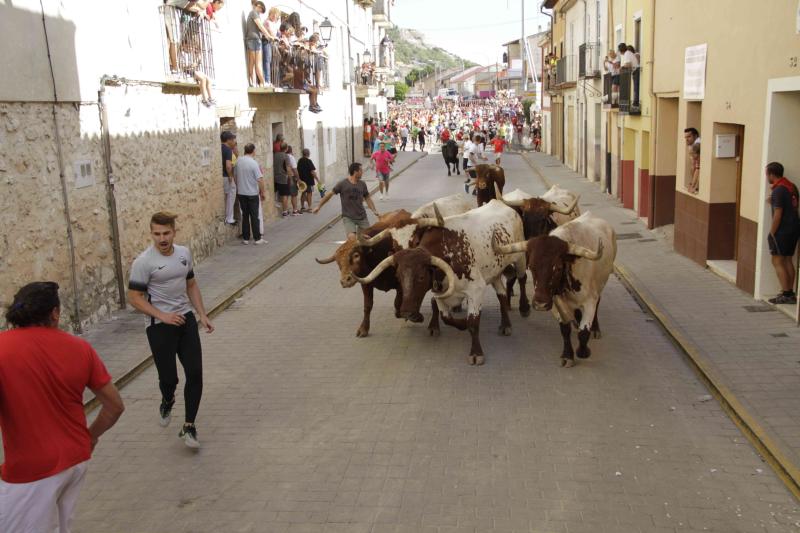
x: 780, y: 144
x: 725, y: 146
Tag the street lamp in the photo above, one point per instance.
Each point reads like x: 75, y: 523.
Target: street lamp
x: 367, y: 56
x: 325, y: 30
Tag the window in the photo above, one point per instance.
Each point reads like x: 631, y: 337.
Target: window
x: 637, y: 35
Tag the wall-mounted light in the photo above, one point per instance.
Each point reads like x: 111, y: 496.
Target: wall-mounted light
x: 325, y: 29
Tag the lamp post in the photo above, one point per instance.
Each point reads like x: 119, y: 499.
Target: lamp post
x: 325, y: 29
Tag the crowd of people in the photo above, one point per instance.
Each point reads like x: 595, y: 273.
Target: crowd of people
x: 281, y: 51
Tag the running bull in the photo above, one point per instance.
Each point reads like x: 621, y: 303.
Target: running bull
x: 456, y: 261
x: 450, y: 154
x: 570, y: 268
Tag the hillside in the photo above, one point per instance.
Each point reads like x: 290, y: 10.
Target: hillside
x: 412, y: 52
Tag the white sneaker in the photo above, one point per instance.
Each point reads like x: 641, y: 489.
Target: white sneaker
x: 261, y: 241
x: 245, y: 242
x: 385, y: 196
x: 380, y: 196
x: 189, y: 436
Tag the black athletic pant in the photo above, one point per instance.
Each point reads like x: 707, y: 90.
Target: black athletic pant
x: 249, y: 206
x: 166, y: 341
x: 403, y: 144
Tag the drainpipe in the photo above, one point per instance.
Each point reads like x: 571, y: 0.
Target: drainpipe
x: 105, y: 141
x: 63, y: 179
x: 541, y: 10
x: 585, y: 102
x: 653, y: 120
x: 350, y: 73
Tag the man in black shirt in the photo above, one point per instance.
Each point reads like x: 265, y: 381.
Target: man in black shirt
x: 228, y: 184
x: 784, y: 231
x: 308, y: 175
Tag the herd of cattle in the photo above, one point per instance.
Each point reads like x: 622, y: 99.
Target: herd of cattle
x: 455, y: 249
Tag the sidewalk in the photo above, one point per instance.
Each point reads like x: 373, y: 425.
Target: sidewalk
x: 232, y: 268
x: 749, y: 352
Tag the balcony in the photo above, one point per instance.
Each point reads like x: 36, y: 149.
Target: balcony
x: 566, y: 72
x: 610, y: 93
x: 381, y: 15
x: 367, y: 80
x: 296, y: 70
x: 186, y: 43
x: 629, y: 103
x: 365, y: 3
x: 588, y: 61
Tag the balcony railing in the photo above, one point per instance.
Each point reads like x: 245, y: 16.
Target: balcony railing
x: 629, y: 91
x: 297, y: 67
x: 588, y: 61
x: 186, y: 40
x: 610, y: 93
x: 566, y: 71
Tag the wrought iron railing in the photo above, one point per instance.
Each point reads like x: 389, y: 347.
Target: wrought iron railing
x: 186, y: 40
x: 629, y: 91
x: 566, y: 71
x: 588, y: 61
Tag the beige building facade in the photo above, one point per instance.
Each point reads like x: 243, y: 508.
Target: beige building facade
x: 745, y: 102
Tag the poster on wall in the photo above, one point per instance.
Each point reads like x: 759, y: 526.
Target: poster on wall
x: 694, y: 72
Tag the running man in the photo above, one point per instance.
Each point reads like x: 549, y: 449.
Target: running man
x: 382, y: 162
x: 162, y: 286
x: 499, y: 144
x: 353, y: 193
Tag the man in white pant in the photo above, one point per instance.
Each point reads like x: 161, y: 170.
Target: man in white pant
x: 228, y: 139
x: 47, y: 446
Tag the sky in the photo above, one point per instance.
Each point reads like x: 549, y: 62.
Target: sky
x: 473, y: 29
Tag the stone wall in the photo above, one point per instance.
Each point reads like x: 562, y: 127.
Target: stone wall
x: 158, y: 162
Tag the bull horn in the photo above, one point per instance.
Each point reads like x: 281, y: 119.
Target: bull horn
x: 581, y: 251
x: 325, y: 261
x: 439, y: 217
x: 442, y: 265
x: 372, y: 241
x: 514, y: 247
x: 565, y: 210
x: 509, y: 203
x: 377, y: 271
x: 497, y: 194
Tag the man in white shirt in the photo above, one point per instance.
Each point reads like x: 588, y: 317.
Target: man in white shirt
x: 403, y: 137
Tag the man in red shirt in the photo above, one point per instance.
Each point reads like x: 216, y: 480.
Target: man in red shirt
x: 499, y: 144
x: 382, y: 161
x: 47, y: 446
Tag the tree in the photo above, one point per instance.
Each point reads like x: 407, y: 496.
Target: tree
x: 400, y: 91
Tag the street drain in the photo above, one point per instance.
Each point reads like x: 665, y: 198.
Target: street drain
x: 626, y: 236
x: 758, y: 308
x: 628, y: 223
x: 779, y: 335
x: 647, y: 240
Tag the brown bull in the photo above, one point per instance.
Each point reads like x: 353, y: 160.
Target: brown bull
x: 485, y: 179
x: 355, y: 259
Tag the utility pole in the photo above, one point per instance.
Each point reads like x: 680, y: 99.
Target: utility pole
x: 522, y: 52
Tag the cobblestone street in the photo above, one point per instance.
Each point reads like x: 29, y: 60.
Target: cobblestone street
x: 306, y: 428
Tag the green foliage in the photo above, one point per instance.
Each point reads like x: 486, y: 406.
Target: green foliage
x: 400, y: 91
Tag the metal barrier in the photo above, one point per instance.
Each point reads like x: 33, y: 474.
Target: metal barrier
x: 629, y: 91
x: 565, y: 70
x: 186, y: 40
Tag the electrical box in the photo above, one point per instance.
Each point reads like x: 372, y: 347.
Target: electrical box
x: 725, y: 145
x: 84, y: 177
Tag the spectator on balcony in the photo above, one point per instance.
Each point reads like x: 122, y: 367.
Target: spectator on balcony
x: 630, y: 60
x: 317, y: 65
x: 255, y: 30
x: 212, y: 8
x: 611, y: 64
x: 269, y: 38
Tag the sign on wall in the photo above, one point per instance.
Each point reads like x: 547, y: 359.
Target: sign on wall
x: 694, y: 72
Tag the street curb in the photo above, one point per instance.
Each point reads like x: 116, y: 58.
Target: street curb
x: 131, y: 374
x: 759, y: 437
